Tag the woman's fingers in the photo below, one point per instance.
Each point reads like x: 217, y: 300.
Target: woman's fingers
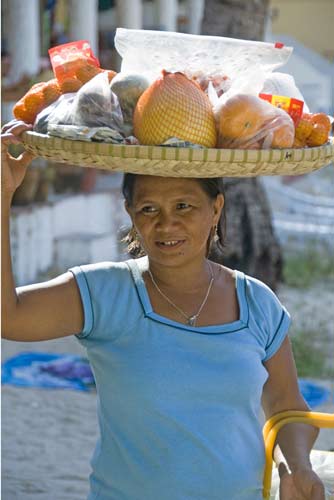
x: 25, y: 158
x: 318, y: 492
x: 10, y: 134
x: 15, y: 127
x: 9, y: 138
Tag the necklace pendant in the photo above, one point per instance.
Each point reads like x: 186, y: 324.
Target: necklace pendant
x: 192, y: 320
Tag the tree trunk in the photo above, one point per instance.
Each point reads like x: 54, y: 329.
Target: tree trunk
x: 250, y: 242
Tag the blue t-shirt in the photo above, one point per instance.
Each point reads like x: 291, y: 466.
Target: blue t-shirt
x: 179, y: 407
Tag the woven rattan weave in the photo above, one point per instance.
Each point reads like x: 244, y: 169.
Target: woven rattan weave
x: 180, y: 162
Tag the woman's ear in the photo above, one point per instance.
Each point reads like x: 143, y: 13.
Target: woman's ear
x: 218, y: 207
x: 127, y: 208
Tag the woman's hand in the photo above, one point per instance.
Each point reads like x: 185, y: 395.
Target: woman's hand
x: 13, y: 169
x: 302, y: 484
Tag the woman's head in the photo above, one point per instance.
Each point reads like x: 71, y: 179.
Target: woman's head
x: 168, y: 212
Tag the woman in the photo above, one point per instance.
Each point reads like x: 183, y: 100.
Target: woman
x: 184, y: 351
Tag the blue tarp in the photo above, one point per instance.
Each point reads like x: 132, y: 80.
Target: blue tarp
x: 39, y: 369
x: 66, y: 371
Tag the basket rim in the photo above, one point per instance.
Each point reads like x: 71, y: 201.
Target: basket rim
x: 184, y: 154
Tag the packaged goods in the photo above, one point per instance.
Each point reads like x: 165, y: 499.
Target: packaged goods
x: 94, y: 105
x: 128, y: 88
x: 294, y: 107
x: 248, y: 122
x: 147, y: 52
x: 73, y: 59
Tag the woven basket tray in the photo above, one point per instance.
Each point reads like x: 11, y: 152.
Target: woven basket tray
x: 180, y: 162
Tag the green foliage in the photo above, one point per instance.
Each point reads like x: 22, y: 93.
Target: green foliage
x: 304, y: 270
x: 311, y: 356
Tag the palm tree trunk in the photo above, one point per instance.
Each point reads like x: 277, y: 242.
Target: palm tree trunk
x: 251, y: 244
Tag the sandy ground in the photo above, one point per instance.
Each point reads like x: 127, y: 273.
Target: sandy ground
x: 48, y: 436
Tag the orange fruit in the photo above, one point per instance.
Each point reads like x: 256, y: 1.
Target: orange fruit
x: 21, y: 113
x: 241, y: 117
x: 87, y: 72
x: 303, y: 129
x: 51, y: 91
x: 70, y: 85
x: 307, y: 116
x: 284, y: 135
x: 34, y: 98
x: 318, y: 137
x: 299, y: 143
x: 321, y: 119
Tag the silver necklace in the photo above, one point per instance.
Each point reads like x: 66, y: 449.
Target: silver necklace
x: 191, y: 320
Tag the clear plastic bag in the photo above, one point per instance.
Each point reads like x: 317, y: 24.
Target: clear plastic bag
x: 94, y: 105
x: 225, y: 68
x: 323, y: 466
x: 57, y: 112
x: 283, y: 84
x: 248, y: 122
x: 243, y: 62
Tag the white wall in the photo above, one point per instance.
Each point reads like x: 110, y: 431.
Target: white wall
x: 48, y: 238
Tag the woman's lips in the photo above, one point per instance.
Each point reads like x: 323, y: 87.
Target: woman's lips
x: 169, y: 244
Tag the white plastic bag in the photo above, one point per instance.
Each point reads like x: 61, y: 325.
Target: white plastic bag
x: 322, y: 464
x: 283, y: 84
x: 245, y: 63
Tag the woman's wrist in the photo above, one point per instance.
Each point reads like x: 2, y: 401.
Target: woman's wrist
x: 6, y: 200
x: 293, y: 464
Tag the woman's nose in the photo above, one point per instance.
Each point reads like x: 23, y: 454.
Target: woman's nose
x: 166, y: 220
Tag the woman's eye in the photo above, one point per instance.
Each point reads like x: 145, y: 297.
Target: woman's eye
x: 149, y: 209
x: 183, y: 206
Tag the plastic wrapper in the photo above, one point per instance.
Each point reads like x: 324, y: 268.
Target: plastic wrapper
x: 57, y: 112
x: 294, y: 107
x: 323, y: 466
x: 68, y: 58
x: 230, y: 64
x: 248, y: 122
x: 283, y: 84
x: 94, y: 105
x: 82, y: 133
x: 128, y: 88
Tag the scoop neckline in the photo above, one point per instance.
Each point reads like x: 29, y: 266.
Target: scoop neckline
x: 139, y: 266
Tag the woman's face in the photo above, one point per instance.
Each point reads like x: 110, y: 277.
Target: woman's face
x: 173, y: 217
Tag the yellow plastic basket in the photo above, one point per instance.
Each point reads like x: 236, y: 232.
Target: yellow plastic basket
x: 274, y: 424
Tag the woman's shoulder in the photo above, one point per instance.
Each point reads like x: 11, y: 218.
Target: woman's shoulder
x: 101, y: 266
x: 102, y: 272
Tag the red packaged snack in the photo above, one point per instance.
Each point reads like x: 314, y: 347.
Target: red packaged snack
x: 294, y: 107
x: 69, y: 59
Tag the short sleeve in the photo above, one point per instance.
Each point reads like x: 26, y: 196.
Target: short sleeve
x: 107, y: 296
x: 269, y: 319
x: 278, y: 330
x: 86, y: 301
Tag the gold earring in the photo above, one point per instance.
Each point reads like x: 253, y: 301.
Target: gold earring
x: 215, y: 233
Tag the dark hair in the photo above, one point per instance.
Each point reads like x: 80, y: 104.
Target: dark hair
x: 212, y: 186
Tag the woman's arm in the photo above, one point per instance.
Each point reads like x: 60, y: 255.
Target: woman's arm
x: 35, y: 312
x: 294, y: 441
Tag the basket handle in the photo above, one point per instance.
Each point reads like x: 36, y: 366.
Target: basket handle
x: 275, y: 423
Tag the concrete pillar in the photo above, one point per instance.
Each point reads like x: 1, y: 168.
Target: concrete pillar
x: 130, y: 14
x: 195, y: 11
x: 167, y: 13
x: 83, y: 15
x: 23, y: 36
